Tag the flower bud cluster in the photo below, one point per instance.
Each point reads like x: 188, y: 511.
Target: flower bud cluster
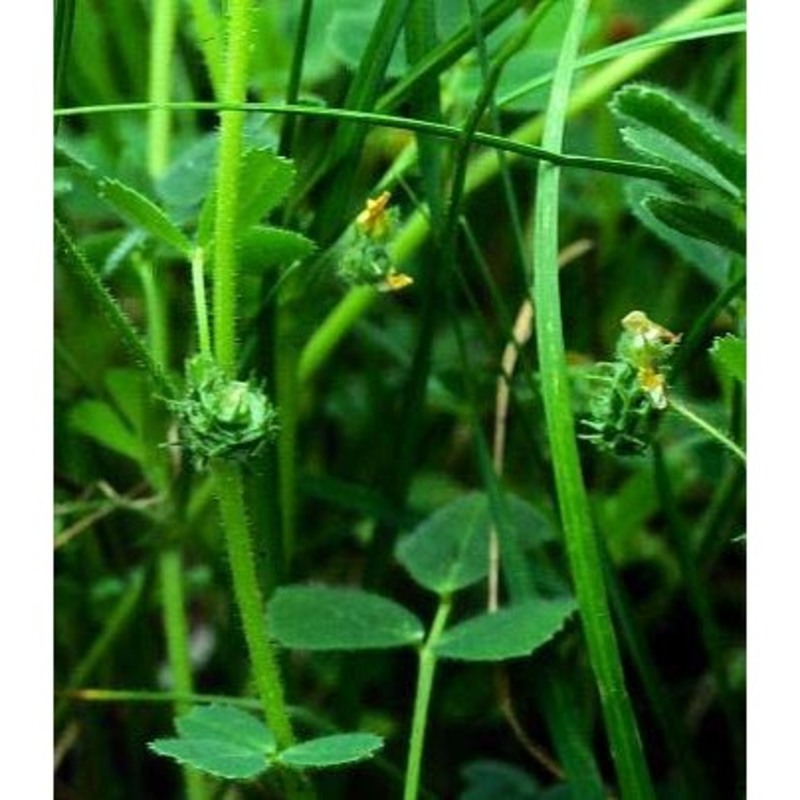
x: 365, y: 260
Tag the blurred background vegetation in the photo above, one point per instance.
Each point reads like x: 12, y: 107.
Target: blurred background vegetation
x: 373, y: 454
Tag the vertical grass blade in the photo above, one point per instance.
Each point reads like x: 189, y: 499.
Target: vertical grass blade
x: 582, y: 548
x: 295, y: 76
x: 362, y: 95
x: 420, y: 40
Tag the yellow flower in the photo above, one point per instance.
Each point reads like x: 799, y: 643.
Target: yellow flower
x: 374, y: 221
x: 639, y: 324
x: 395, y: 281
x: 653, y: 382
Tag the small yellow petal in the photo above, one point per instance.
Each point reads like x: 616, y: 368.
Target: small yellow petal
x: 654, y: 384
x: 373, y: 219
x: 395, y: 281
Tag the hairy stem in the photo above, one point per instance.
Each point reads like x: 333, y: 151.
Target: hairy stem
x: 200, y: 303
x: 234, y: 90
x: 230, y: 492
x: 170, y: 556
x: 229, y: 489
x: 112, y: 628
x: 68, y: 254
x: 708, y: 428
x: 157, y: 318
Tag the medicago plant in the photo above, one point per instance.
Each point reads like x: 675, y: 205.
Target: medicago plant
x: 400, y: 402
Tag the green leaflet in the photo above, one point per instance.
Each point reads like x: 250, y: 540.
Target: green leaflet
x: 699, y: 222
x: 221, y: 740
x: 331, y: 751
x: 711, y: 260
x: 335, y: 618
x: 729, y: 353
x: 266, y: 180
x: 262, y: 247
x: 508, y: 633
x: 449, y: 550
x: 130, y: 204
x: 230, y: 743
x: 99, y: 421
x: 667, y: 127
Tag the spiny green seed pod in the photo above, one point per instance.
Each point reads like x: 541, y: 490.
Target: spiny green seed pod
x: 631, y: 389
x: 221, y: 418
x: 622, y: 418
x: 364, y: 262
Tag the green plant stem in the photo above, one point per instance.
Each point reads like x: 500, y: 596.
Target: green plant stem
x: 162, y: 46
x: 483, y: 167
x: 714, y: 531
x: 582, y: 547
x: 93, y: 695
x: 240, y: 26
x: 422, y: 699
x: 717, y: 26
x: 699, y: 330
x: 438, y: 60
x: 511, y: 144
x: 293, y: 87
x: 200, y: 302
x: 113, y: 627
x: 62, y: 31
x: 420, y: 39
x: 157, y: 325
x: 68, y: 254
x: 286, y: 354
x: 230, y: 492
x: 706, y: 427
x: 170, y: 557
x: 173, y: 615
x: 491, y: 73
x: 337, y: 324
x: 558, y: 693
x: 209, y: 40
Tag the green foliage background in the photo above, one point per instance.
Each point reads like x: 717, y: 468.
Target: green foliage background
x: 389, y: 423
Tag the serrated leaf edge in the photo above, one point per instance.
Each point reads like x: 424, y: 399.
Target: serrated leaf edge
x: 269, y: 758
